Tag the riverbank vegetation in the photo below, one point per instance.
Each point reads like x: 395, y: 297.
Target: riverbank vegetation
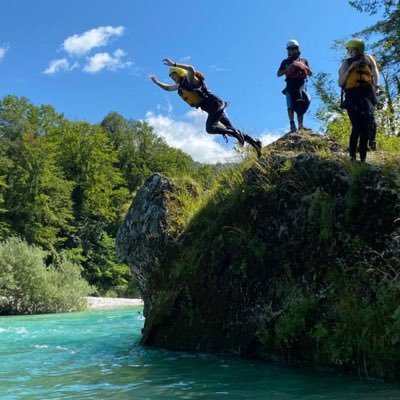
x: 30, y: 285
x: 66, y: 185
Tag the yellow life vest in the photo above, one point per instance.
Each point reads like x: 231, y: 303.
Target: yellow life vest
x: 193, y: 98
x: 193, y: 94
x: 360, y: 76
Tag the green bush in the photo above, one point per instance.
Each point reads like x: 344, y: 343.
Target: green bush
x: 27, y: 286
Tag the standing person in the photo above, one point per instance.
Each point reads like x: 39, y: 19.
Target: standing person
x: 359, y: 79
x: 296, y: 70
x: 191, y: 88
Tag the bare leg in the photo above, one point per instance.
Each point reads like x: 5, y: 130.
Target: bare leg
x: 300, y: 118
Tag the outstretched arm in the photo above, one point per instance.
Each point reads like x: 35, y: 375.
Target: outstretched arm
x: 168, y: 88
x: 189, y: 68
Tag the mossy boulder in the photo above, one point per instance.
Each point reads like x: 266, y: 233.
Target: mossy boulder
x: 294, y: 257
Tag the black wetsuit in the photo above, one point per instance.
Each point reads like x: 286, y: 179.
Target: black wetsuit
x: 214, y: 106
x: 360, y: 105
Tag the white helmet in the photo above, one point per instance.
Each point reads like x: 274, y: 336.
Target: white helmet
x: 292, y: 43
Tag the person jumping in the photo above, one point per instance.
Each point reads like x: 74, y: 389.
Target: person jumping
x: 191, y: 88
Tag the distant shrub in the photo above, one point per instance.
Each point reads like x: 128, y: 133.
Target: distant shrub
x: 129, y: 291
x: 28, y: 286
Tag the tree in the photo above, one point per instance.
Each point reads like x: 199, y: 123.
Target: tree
x: 65, y: 185
x: 99, y: 194
x: 115, y: 126
x: 104, y: 268
x: 327, y: 91
x: 141, y: 152
x: 38, y: 197
x: 87, y: 159
x: 19, y: 116
x: 5, y: 167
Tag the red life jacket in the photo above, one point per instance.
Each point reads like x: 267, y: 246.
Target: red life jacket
x: 297, y: 70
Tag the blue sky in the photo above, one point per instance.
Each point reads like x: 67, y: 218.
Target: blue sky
x: 87, y: 58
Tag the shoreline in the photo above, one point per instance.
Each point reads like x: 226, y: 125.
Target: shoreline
x: 102, y: 303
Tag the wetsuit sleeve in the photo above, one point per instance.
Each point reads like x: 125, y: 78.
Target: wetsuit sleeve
x: 283, y: 65
x: 282, y: 68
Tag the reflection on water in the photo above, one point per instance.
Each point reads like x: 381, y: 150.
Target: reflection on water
x: 96, y: 355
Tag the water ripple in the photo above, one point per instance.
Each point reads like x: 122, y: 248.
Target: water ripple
x: 97, y: 355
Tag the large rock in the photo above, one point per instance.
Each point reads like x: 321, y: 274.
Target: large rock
x: 296, y: 258
x: 143, y: 238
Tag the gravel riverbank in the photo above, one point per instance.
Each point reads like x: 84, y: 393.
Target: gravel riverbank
x: 100, y: 303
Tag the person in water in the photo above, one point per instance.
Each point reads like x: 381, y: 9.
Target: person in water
x: 192, y: 89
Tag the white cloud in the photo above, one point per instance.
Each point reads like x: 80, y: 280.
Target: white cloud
x: 3, y: 51
x: 106, y: 61
x: 58, y: 65
x: 268, y: 137
x: 191, y: 137
x: 79, y: 45
x: 218, y: 69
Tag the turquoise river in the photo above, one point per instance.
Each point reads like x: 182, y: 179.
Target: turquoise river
x: 97, y: 355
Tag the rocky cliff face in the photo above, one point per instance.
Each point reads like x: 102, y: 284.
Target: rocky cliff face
x: 143, y: 238
x: 294, y: 257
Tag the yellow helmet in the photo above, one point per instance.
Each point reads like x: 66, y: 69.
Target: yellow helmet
x: 180, y: 71
x: 356, y: 43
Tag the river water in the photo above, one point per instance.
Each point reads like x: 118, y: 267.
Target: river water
x: 97, y: 355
